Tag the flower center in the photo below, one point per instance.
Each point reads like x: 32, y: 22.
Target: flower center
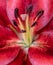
x: 26, y: 32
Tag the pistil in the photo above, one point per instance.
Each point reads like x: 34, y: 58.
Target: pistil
x: 28, y: 30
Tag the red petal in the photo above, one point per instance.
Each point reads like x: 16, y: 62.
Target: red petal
x: 27, y: 61
x: 38, y: 57
x: 46, y: 38
x: 42, y: 54
x: 6, y: 34
x: 19, y: 59
x: 8, y: 54
x: 3, y: 15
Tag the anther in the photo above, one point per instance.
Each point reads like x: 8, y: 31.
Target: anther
x: 14, y: 22
x: 34, y: 24
x: 23, y: 31
x: 39, y: 13
x: 16, y: 13
x: 29, y: 9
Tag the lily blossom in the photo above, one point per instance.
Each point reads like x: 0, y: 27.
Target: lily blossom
x: 26, y: 32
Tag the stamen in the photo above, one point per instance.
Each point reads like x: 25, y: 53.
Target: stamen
x: 16, y: 14
x: 20, y: 24
x: 29, y: 9
x: 13, y: 29
x: 22, y: 28
x: 38, y: 15
x: 34, y: 24
x: 14, y: 22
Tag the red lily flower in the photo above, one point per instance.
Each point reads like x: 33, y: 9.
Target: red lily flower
x: 26, y: 32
